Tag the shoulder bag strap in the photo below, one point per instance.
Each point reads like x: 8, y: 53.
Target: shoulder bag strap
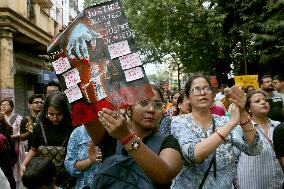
x: 213, y: 162
x: 206, y: 174
x: 64, y: 141
x: 43, y: 134
x: 214, y: 156
x: 13, y: 119
x: 155, y: 142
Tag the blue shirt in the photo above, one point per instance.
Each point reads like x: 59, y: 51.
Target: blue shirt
x: 189, y: 133
x: 165, y: 125
x: 77, y: 150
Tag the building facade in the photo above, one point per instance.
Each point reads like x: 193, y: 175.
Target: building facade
x: 26, y: 29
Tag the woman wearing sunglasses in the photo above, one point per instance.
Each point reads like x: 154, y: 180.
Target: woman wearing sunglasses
x: 210, y: 144
x: 144, y: 119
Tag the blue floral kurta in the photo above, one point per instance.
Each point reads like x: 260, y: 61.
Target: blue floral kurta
x: 77, y: 150
x: 189, y: 133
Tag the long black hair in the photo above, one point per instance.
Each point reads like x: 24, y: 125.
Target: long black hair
x: 59, y: 101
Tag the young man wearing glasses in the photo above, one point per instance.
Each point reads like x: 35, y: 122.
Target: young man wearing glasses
x: 27, y: 124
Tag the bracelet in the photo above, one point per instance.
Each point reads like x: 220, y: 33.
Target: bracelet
x: 220, y: 135
x: 249, y: 130
x: 243, y: 123
x: 130, y: 136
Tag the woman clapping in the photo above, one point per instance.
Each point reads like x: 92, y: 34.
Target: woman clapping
x: 210, y: 143
x: 262, y: 171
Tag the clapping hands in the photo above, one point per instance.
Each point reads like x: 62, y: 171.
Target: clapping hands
x: 94, y: 152
x: 29, y: 127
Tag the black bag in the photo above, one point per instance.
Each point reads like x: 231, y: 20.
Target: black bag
x: 121, y: 172
x: 57, y: 155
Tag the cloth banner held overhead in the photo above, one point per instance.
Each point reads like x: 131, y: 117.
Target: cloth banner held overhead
x: 97, y: 62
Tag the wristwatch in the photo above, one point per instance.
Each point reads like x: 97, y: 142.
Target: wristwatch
x: 134, y: 145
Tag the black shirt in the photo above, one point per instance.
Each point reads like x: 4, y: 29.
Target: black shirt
x: 108, y: 148
x: 276, y: 108
x: 278, y: 140
x: 56, y: 135
x: 23, y: 129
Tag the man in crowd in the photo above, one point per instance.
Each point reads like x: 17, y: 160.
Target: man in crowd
x: 221, y: 94
x: 52, y: 86
x: 278, y: 83
x: 275, y: 101
x: 278, y: 136
x: 35, y: 103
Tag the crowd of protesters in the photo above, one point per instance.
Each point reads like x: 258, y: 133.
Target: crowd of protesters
x: 230, y: 137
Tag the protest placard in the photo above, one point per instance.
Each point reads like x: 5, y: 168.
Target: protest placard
x: 97, y: 62
x: 130, y: 61
x: 247, y: 80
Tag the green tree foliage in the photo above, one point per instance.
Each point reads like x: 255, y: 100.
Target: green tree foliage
x: 211, y: 36
x: 256, y: 29
x: 191, y: 30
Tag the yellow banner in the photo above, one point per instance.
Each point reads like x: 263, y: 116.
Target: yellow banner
x: 246, y: 80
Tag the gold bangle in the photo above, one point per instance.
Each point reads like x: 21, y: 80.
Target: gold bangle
x: 249, y: 130
x: 220, y: 135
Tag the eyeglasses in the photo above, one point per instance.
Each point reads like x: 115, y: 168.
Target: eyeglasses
x: 198, y: 90
x: 52, y: 116
x: 4, y: 105
x: 156, y: 104
x: 38, y: 102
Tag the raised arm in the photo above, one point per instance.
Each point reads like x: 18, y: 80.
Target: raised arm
x: 238, y: 97
x: 4, y: 123
x: 161, y: 168
x: 207, y: 146
x: 31, y: 154
x: 196, y: 149
x: 74, y: 163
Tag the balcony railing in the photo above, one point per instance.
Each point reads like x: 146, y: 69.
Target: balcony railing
x: 47, y: 4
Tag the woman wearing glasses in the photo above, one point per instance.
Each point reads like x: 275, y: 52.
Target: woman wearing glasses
x: 210, y: 144
x: 54, y: 129
x: 144, y: 122
x: 14, y: 119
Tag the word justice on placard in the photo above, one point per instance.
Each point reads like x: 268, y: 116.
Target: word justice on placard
x: 103, y: 10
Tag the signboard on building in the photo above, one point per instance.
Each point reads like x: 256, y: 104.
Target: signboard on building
x: 48, y: 76
x: 6, y: 94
